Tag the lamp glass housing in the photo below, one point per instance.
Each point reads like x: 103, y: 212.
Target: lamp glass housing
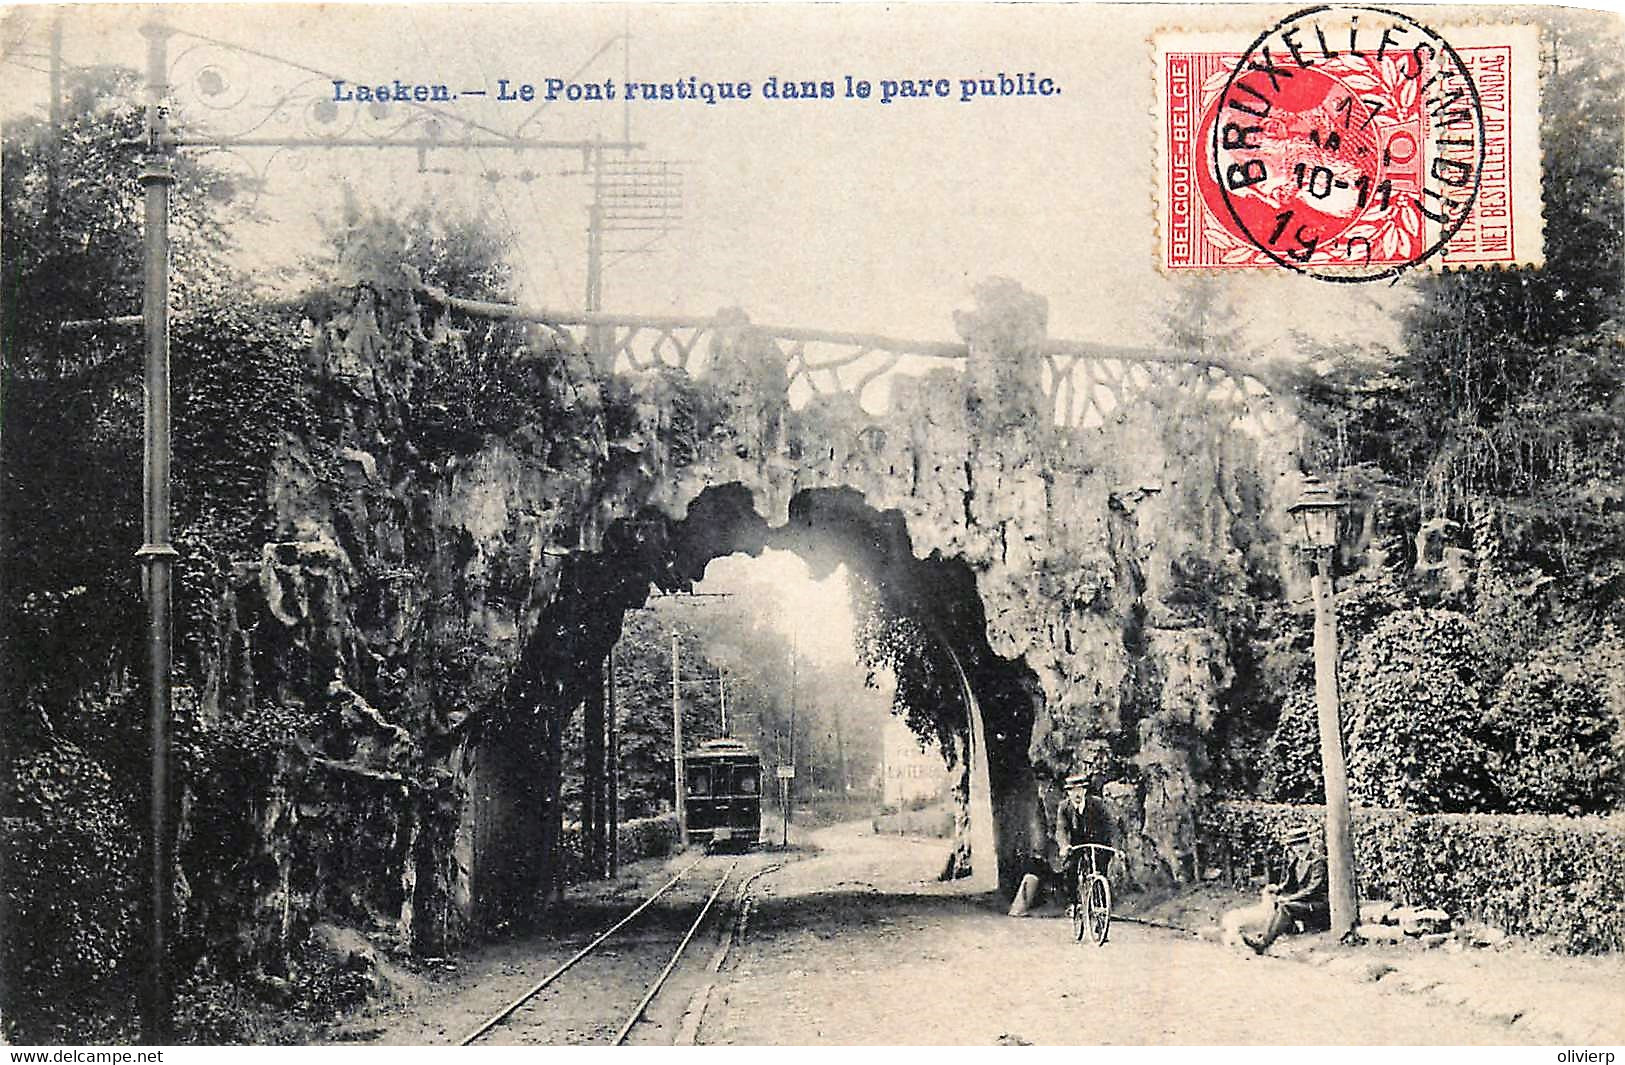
x: 1316, y: 515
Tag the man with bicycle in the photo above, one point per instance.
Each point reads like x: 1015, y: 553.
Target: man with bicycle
x: 1081, y: 818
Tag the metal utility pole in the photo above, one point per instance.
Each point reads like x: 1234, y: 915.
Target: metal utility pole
x: 722, y: 699
x: 883, y: 777
x: 593, y: 712
x: 790, y: 781
x: 840, y: 751
x: 677, y: 744
x: 612, y: 800
x: 157, y: 555
x: 784, y: 783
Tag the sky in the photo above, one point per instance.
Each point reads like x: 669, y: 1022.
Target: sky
x: 817, y: 614
x: 838, y: 214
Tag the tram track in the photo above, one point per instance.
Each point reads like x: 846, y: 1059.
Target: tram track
x: 694, y: 1016
x: 527, y: 1001
x: 660, y: 981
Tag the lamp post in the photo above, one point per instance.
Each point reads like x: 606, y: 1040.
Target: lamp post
x: 157, y: 554
x: 1315, y: 513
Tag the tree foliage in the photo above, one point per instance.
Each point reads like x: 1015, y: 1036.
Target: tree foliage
x: 66, y: 830
x: 838, y: 715
x: 894, y: 634
x: 457, y: 249
x: 72, y: 398
x: 71, y: 214
x: 643, y: 669
x: 735, y: 640
x: 70, y: 488
x: 71, y: 492
x: 1415, y: 705
x: 1504, y: 396
x: 1291, y: 765
x: 1555, y: 738
x: 1498, y: 423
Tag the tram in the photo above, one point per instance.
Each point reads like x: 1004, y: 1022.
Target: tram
x: 723, y: 794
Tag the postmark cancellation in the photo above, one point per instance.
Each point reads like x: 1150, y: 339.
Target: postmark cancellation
x: 1348, y: 143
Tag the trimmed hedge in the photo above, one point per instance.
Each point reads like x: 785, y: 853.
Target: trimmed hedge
x: 1530, y: 874
x: 643, y: 837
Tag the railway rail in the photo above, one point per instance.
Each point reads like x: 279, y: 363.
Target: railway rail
x: 637, y: 1014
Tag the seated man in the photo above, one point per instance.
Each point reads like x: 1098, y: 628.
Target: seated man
x: 1301, y: 894
x: 1081, y: 818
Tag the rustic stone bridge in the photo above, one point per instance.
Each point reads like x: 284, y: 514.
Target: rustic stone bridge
x: 1060, y: 513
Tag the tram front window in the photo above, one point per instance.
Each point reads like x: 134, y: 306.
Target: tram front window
x: 699, y: 781
x: 748, y: 782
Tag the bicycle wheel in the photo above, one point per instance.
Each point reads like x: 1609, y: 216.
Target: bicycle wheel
x: 1099, y: 909
x: 1079, y: 924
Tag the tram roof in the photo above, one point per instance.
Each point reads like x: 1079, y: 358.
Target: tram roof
x: 722, y: 748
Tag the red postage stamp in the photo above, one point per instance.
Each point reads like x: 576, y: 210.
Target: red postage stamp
x: 1349, y: 143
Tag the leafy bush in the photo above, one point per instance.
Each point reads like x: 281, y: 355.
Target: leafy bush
x: 1291, y: 761
x: 1419, y: 735
x: 1530, y: 874
x: 648, y: 837
x: 466, y: 391
x: 1554, y: 737
x: 214, y: 1012
x: 70, y: 864
x: 322, y: 994
x: 238, y: 379
x: 1415, y: 707
x: 643, y: 837
x: 229, y: 766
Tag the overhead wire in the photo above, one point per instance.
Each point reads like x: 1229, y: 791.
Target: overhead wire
x: 513, y: 228
x: 530, y: 193
x: 329, y: 75
x: 625, y: 37
x: 543, y: 216
x: 582, y: 69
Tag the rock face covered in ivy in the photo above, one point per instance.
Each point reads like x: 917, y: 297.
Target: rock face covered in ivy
x: 450, y: 553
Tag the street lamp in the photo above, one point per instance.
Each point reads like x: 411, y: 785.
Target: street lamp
x: 1315, y: 514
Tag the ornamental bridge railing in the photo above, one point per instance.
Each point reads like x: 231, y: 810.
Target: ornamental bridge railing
x: 1085, y: 382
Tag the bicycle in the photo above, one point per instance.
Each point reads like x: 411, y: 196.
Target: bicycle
x: 1091, y: 907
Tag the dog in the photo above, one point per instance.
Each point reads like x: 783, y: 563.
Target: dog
x: 1248, y: 920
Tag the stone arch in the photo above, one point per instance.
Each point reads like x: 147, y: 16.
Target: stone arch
x: 423, y: 582
x: 512, y: 815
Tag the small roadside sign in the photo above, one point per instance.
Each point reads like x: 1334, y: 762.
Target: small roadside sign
x: 787, y: 772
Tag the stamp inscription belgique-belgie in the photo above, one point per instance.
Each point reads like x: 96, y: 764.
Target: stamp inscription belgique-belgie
x: 1348, y: 143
